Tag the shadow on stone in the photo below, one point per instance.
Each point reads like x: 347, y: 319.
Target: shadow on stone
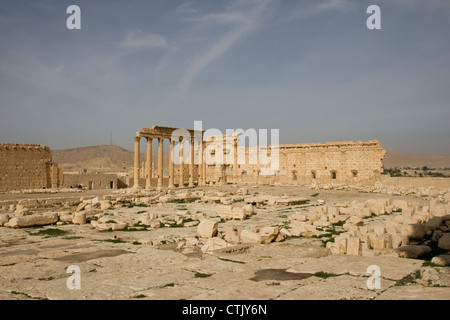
x: 279, y: 275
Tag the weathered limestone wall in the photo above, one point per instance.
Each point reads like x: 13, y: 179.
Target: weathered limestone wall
x: 332, y: 162
x: 27, y: 166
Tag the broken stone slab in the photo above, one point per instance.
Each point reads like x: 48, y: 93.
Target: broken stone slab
x: 393, y: 268
x: 232, y: 235
x: 214, y: 244
x: 81, y: 206
x: 191, y: 223
x: 242, y: 191
x: 33, y: 220
x: 254, y: 200
x: 291, y: 201
x: 268, y: 234
x: 299, y: 216
x: 207, y: 228
x: 112, y: 226
x: 250, y: 237
x: 444, y: 241
x: 412, y: 251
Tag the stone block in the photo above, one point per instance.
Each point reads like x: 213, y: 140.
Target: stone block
x: 357, y: 221
x: 4, y: 218
x: 207, y: 228
x: 378, y: 243
x: 232, y: 235
x: 242, y: 191
x: 415, y: 231
x: 444, y: 242
x: 300, y: 216
x: 354, y: 246
x: 341, y: 244
x: 442, y: 259
x: 268, y: 234
x: 250, y: 237
x: 249, y: 209
x: 79, y: 218
x: 33, y: 220
x: 214, y: 244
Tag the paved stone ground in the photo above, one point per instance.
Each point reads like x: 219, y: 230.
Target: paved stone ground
x: 119, y: 265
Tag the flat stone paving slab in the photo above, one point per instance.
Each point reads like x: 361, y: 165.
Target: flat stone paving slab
x: 415, y: 293
x: 391, y: 268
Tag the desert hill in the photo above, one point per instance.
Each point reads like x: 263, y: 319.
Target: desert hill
x: 399, y: 159
x: 98, y: 158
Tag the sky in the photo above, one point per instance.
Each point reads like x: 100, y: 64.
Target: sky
x: 312, y: 69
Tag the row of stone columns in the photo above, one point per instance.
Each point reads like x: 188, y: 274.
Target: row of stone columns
x: 148, y: 184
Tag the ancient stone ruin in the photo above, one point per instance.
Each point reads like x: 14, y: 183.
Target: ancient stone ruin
x: 27, y: 166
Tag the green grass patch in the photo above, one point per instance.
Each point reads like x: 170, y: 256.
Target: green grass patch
x: 314, y: 195
x: 273, y: 284
x: 168, y: 285
x: 7, y: 265
x: 46, y: 279
x: 431, y: 264
x: 202, y: 275
x: 72, y: 238
x: 143, y: 211
x: 325, y: 275
x: 137, y: 243
x: 50, y: 233
x: 140, y: 296
x: 409, y: 279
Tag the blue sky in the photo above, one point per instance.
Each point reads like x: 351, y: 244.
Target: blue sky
x: 311, y: 69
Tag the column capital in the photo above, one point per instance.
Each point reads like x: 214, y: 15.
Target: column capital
x: 137, y: 138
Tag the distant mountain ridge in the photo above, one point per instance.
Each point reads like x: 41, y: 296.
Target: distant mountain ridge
x: 115, y: 158
x: 99, y: 158
x: 399, y: 159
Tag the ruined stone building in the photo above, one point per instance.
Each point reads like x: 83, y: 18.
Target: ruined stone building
x: 345, y: 162
x: 27, y: 166
x: 220, y: 159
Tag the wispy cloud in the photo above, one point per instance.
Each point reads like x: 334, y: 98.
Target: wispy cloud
x: 241, y: 18
x: 319, y: 7
x: 138, y: 39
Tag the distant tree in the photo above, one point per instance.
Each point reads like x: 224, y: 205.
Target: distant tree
x: 425, y: 168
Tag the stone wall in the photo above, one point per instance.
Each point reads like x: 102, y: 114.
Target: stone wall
x: 27, y: 166
x: 91, y: 181
x: 332, y: 162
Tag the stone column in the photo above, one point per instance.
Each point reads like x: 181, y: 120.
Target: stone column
x: 137, y: 151
x: 191, y: 164
x: 160, y: 162
x: 203, y: 166
x: 181, y: 183
x: 148, y: 183
x: 171, y: 170
x: 235, y: 164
